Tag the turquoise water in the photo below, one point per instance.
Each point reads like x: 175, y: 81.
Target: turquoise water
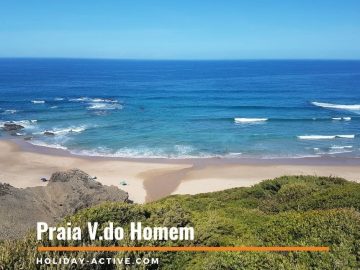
x: 185, y: 109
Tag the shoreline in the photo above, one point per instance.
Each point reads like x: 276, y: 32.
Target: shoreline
x: 301, y: 160
x: 22, y: 165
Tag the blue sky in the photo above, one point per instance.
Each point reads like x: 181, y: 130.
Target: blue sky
x: 197, y: 29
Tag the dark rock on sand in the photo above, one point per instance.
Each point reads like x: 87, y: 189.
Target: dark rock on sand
x: 12, y: 127
x: 27, y: 138
x: 65, y: 193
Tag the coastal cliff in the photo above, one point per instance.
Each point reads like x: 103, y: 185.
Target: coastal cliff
x: 65, y: 194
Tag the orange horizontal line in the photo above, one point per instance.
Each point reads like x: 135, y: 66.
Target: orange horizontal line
x: 208, y: 249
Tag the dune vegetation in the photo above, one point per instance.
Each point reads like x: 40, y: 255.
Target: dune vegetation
x: 286, y: 211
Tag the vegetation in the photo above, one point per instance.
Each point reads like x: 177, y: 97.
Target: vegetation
x: 294, y: 210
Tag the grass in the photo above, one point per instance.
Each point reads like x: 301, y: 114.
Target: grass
x: 290, y: 210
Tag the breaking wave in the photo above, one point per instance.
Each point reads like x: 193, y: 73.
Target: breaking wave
x: 38, y: 101
x: 24, y: 123
x: 104, y: 106
x: 93, y: 100
x: 178, y: 151
x: 99, y: 103
x: 325, y: 137
x: 249, y: 120
x: 10, y: 111
x: 341, y: 147
x: 62, y: 131
x: 48, y: 145
x: 335, y: 149
x: 354, y: 107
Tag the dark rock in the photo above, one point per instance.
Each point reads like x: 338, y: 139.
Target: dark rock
x: 71, y: 175
x: 65, y: 193
x: 12, y: 127
x: 5, y: 189
x: 27, y: 138
x: 49, y: 133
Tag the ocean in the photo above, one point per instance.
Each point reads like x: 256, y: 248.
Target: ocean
x: 185, y: 109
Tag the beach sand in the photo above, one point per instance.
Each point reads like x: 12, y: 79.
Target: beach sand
x: 149, y: 180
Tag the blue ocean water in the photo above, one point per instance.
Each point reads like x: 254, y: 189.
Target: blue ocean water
x: 184, y: 109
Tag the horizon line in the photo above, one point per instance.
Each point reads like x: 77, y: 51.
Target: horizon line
x: 176, y: 59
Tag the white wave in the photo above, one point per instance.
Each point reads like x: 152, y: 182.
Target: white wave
x: 335, y: 149
x: 292, y: 156
x: 38, y: 101
x: 325, y: 137
x: 183, y: 150
x: 346, y: 118
x: 316, y: 137
x: 53, y: 107
x: 58, y: 98
x: 104, y: 106
x: 352, y: 136
x: 48, y: 145
x: 93, y: 100
x: 249, y: 120
x: 177, y: 152
x: 107, y: 100
x: 233, y: 154
x: 61, y: 131
x: 122, y: 153
x: 24, y: 123
x: 341, y: 147
x: 78, y: 99
x: 333, y: 152
x: 10, y: 111
x: 354, y: 107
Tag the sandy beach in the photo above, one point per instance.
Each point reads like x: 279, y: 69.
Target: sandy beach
x: 149, y: 180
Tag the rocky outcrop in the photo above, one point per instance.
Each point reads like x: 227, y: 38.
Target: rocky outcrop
x: 5, y: 189
x: 49, y: 133
x: 65, y: 193
x: 12, y: 127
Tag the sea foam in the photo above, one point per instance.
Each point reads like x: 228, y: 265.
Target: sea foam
x: 355, y: 107
x: 341, y: 147
x: 249, y: 120
x: 341, y: 118
x: 48, y: 145
x: 24, y: 123
x: 61, y: 131
x: 10, y: 111
x: 325, y: 137
x: 93, y: 100
x: 104, y: 106
x: 38, y: 101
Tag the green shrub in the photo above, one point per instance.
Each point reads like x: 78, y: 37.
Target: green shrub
x: 290, y: 210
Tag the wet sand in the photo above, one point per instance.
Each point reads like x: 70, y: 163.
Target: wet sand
x: 151, y: 179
